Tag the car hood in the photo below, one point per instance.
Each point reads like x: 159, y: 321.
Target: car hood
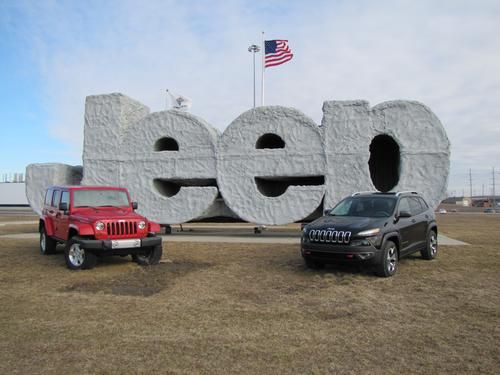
x: 91, y: 215
x: 348, y: 223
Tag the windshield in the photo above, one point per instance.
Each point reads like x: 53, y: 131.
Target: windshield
x: 365, y: 207
x: 99, y: 198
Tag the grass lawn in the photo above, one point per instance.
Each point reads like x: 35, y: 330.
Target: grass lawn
x: 253, y: 308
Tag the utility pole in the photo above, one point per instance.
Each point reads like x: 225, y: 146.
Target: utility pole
x: 494, y: 194
x: 470, y: 182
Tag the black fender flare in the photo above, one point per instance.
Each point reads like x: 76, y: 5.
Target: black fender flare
x: 432, y: 226
x: 389, y: 235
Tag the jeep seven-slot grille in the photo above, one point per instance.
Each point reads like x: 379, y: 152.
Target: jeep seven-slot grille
x: 121, y: 228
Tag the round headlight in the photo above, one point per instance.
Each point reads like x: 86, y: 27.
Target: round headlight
x: 99, y: 225
x: 141, y: 225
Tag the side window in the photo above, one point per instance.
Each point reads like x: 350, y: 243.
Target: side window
x: 65, y: 197
x: 415, y: 206
x: 404, y: 205
x: 48, y: 197
x: 423, y: 203
x: 56, y: 198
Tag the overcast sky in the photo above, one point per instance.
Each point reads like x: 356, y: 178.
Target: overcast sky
x: 445, y: 54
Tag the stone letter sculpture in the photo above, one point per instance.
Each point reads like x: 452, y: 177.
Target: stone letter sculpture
x: 272, y: 165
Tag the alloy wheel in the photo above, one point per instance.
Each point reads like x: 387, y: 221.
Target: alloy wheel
x: 392, y: 259
x: 76, y: 255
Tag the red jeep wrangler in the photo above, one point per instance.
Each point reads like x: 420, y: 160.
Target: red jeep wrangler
x: 95, y: 221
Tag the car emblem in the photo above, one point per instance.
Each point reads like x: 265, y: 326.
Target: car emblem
x: 331, y: 228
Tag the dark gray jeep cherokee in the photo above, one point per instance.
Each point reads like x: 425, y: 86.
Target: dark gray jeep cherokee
x: 373, y: 228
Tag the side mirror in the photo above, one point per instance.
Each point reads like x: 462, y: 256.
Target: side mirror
x: 134, y: 205
x: 326, y: 211
x: 404, y: 214
x: 63, y: 206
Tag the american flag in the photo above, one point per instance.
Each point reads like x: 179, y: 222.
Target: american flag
x: 277, y: 52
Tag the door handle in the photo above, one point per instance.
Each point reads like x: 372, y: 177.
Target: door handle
x: 413, y: 221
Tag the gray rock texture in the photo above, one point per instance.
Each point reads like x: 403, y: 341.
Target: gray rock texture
x: 172, y: 186
x: 40, y: 176
x: 166, y: 159
x: 351, y: 126
x: 107, y: 118
x: 272, y: 165
x: 240, y: 159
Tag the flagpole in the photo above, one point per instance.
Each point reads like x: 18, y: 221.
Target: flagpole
x: 263, y: 67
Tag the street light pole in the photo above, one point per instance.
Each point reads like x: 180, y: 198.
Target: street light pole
x: 254, y: 48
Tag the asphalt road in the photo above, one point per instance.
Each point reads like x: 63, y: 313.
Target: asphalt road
x: 201, y: 232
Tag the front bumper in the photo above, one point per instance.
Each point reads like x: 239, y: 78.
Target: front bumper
x: 340, y: 253
x: 120, y: 246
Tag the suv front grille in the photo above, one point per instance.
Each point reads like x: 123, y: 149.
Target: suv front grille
x: 329, y: 236
x: 121, y: 228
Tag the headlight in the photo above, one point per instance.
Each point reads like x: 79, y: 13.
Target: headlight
x: 99, y: 225
x: 369, y: 233
x: 141, y: 225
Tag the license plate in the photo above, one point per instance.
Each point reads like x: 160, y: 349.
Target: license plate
x: 125, y: 244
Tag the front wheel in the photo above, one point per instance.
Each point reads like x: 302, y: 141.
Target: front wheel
x: 389, y: 263
x: 150, y: 258
x: 77, y: 258
x: 431, y: 249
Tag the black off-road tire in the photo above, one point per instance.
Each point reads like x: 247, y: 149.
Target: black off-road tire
x: 152, y: 257
x: 77, y: 258
x: 431, y: 248
x: 314, y: 264
x: 47, y: 243
x: 388, y: 265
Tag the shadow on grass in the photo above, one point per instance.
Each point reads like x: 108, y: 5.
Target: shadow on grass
x: 142, y: 281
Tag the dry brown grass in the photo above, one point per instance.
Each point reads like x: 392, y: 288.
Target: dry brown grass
x: 252, y: 308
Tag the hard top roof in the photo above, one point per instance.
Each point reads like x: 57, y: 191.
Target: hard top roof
x: 86, y: 187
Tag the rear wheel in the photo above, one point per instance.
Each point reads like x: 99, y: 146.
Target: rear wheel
x: 150, y: 258
x: 47, y: 243
x: 389, y: 263
x: 431, y: 249
x: 77, y: 258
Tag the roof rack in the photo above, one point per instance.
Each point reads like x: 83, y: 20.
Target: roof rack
x: 364, y: 192
x: 405, y: 192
